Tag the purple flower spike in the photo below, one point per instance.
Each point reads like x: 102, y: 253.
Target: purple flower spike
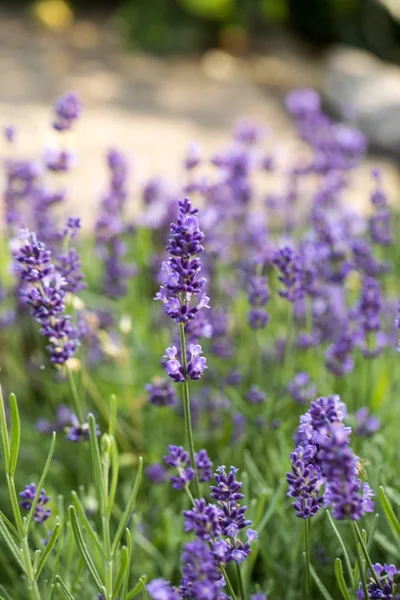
x: 28, y: 495
x: 291, y: 274
x: 77, y: 432
x: 161, y: 393
x: 179, y: 458
x: 67, y: 109
x: 181, y: 271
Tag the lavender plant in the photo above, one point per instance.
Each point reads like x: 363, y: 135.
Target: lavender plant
x: 303, y: 328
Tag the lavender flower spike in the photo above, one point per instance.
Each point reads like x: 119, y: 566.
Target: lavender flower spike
x: 28, y: 495
x: 181, y: 270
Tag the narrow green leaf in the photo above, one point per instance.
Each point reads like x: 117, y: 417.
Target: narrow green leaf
x: 389, y: 512
x: 63, y: 589
x: 128, y: 510
x: 15, y: 434
x: 50, y: 545
x: 342, y: 545
x: 4, y: 441
x: 9, y: 525
x: 96, y: 459
x: 12, y: 546
x: 40, y: 485
x: 85, y: 522
x: 340, y: 579
x: 386, y: 544
x: 114, y: 476
x: 121, y: 572
x: 141, y: 584
x: 124, y: 590
x: 83, y: 549
x: 324, y: 592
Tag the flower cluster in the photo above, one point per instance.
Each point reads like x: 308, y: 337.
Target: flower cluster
x: 68, y: 261
x: 110, y: 228
x: 161, y: 393
x: 78, y: 432
x: 28, y: 495
x: 301, y: 389
x: 291, y: 274
x: 182, y: 269
x: 45, y: 293
x: 179, y: 459
x: 258, y: 295
x: 216, y: 527
x: 324, y: 457
x: 67, y: 109
x: 196, y: 364
x: 386, y: 588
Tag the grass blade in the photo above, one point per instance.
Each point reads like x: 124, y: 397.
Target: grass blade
x: 141, y: 584
x: 96, y: 459
x: 85, y: 522
x: 129, y: 507
x: 83, y: 549
x: 342, y: 545
x: 121, y: 572
x: 4, y: 441
x: 50, y: 545
x: 40, y: 484
x: 63, y: 589
x: 11, y: 545
x: 340, y: 579
x: 389, y: 512
x: 324, y: 592
x: 15, y: 435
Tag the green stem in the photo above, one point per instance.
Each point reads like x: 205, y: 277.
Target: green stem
x: 228, y: 584
x: 106, y: 528
x: 75, y: 395
x: 241, y: 584
x: 307, y: 536
x: 364, y: 549
x: 186, y: 407
x: 360, y: 563
x: 33, y: 589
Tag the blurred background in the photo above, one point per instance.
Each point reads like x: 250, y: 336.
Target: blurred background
x: 156, y: 74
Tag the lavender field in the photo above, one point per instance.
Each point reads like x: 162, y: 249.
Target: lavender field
x: 199, y: 378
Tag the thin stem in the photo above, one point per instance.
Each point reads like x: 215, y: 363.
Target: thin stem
x: 186, y: 407
x: 106, y: 527
x: 307, y: 536
x: 33, y: 589
x: 228, y: 584
x: 364, y: 549
x: 241, y: 584
x: 360, y: 564
x: 75, y: 395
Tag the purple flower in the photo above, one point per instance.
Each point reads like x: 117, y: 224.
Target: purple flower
x: 226, y: 492
x: 179, y: 458
x: 200, y: 569
x: 387, y: 588
x: 44, y: 291
x: 156, y: 473
x: 63, y: 417
x: 204, y: 520
x: 304, y: 482
x: 204, y: 466
x: 161, y: 393
x: 338, y: 358
x: 77, y: 432
x: 258, y: 295
x: 255, y: 395
x: 197, y: 363
x: 300, y: 388
x: 28, y: 495
x: 68, y: 262
x: 193, y: 156
x: 181, y: 270
x: 291, y: 274
x: 9, y: 133
x: 67, y: 109
x: 368, y: 314
x: 58, y: 161
x: 172, y: 365
x: 366, y: 424
x: 302, y: 103
x: 160, y: 589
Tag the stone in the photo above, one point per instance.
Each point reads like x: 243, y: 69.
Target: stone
x: 361, y: 88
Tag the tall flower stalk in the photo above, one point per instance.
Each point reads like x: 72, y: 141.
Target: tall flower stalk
x: 181, y: 286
